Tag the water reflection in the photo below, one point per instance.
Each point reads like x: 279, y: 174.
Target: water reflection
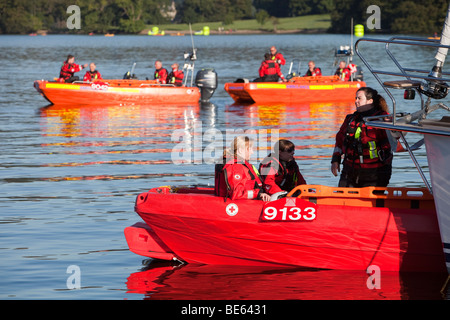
x: 164, y: 281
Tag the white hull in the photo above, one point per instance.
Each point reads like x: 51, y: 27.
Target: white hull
x: 438, y: 154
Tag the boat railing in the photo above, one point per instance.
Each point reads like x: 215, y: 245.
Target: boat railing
x: 157, y: 85
x: 412, y: 79
x: 392, y: 197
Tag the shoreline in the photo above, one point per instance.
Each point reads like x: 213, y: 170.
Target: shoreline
x: 239, y: 32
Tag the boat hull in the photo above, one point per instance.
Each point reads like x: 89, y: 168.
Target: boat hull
x: 348, y: 234
x: 308, y: 90
x: 114, y: 92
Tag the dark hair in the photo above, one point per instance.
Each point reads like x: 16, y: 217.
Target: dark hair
x: 378, y: 100
x: 283, y: 145
x: 267, y: 56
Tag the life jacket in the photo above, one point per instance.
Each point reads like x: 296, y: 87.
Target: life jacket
x: 363, y: 147
x: 271, y: 68
x: 288, y: 175
x: 278, y: 58
x: 93, y: 75
x: 176, y: 77
x: 161, y: 74
x: 316, y: 72
x: 68, y: 70
x: 221, y: 184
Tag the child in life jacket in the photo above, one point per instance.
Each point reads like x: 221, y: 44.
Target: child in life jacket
x: 279, y: 170
x: 238, y: 179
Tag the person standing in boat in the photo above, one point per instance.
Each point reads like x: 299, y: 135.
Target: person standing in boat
x: 160, y: 73
x: 313, y: 71
x: 92, y: 74
x: 269, y: 71
x: 277, y: 56
x: 238, y: 179
x: 367, y: 151
x: 176, y: 76
x: 279, y: 170
x: 68, y: 70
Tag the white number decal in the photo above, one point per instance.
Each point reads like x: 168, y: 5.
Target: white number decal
x: 270, y: 215
x: 294, y: 214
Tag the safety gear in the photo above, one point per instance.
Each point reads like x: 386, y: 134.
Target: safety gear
x: 92, y: 76
x: 279, y: 175
x: 176, y: 77
x: 270, y: 70
x: 68, y: 70
x: 161, y: 75
x: 360, y: 144
x: 237, y: 179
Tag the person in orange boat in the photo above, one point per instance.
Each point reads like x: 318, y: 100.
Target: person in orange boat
x: 68, y: 70
x: 238, y: 179
x: 92, y: 74
x: 176, y: 76
x: 279, y: 170
x: 343, y: 72
x: 313, y: 71
x: 269, y: 71
x: 161, y: 73
x: 277, y: 56
x: 366, y: 150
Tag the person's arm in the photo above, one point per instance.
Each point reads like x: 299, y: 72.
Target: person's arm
x: 270, y: 185
x: 337, y: 152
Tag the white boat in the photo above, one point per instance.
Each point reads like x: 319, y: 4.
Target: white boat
x: 429, y: 86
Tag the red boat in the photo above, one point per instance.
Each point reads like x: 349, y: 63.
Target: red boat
x: 298, y: 89
x: 395, y: 229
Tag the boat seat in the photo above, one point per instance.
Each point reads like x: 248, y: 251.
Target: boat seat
x: 402, y: 84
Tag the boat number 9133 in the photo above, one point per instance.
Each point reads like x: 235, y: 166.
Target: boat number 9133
x: 289, y: 214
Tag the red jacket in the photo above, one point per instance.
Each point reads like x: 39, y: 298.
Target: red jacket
x: 280, y: 176
x: 176, y: 77
x: 68, y: 70
x: 344, y: 74
x: 161, y: 75
x: 315, y: 73
x: 92, y: 76
x: 269, y: 67
x: 238, y: 180
x: 278, y: 58
x: 363, y: 147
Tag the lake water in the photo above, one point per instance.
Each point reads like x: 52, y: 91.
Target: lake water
x: 69, y: 176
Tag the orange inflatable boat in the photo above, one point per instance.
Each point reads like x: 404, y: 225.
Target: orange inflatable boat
x: 298, y: 89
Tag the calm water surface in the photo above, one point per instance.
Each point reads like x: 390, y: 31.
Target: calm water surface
x: 69, y: 176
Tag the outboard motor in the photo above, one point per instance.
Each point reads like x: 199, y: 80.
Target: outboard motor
x: 358, y: 75
x: 206, y: 80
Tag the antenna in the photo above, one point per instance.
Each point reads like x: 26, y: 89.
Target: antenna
x: 189, y: 60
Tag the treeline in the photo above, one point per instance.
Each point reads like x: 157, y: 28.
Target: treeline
x: 131, y: 16
x: 404, y: 16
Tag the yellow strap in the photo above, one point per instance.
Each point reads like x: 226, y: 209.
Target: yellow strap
x: 373, y: 150
x: 358, y: 133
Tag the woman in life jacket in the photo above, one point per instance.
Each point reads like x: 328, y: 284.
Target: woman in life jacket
x: 367, y: 151
x: 92, y: 74
x: 238, y: 179
x: 279, y: 170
